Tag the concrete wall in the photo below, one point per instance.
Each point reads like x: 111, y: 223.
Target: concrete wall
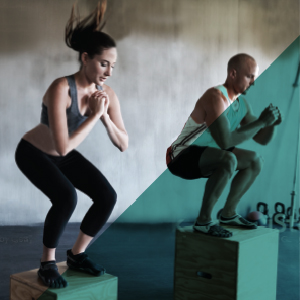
x: 170, y: 52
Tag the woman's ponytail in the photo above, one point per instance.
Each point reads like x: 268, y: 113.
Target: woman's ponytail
x: 86, y: 35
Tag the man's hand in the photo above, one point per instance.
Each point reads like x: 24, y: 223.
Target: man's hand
x: 270, y: 115
x: 280, y: 118
x: 265, y: 135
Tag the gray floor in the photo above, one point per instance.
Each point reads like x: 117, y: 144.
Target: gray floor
x: 146, y: 272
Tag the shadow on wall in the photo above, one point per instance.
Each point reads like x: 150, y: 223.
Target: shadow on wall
x: 197, y: 18
x: 25, y: 26
x: 34, y: 26
x: 259, y: 22
x: 199, y: 23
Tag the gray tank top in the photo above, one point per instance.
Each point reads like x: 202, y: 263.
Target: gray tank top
x: 74, y: 117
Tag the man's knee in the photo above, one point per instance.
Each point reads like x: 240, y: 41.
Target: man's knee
x: 229, y: 162
x: 257, y: 162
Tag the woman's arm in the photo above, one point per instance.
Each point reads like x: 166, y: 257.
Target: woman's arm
x: 113, y: 122
x: 56, y: 99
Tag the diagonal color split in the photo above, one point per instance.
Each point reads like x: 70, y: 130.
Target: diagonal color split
x: 169, y: 198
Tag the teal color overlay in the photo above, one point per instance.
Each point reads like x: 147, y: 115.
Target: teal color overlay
x: 170, y: 199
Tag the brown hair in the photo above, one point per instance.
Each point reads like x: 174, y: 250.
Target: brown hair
x: 86, y: 35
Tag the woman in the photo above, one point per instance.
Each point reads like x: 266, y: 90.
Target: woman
x: 46, y: 154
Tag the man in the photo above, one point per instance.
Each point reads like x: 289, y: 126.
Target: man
x: 219, y: 122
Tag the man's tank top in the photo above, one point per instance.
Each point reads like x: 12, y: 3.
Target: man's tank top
x: 199, y: 134
x: 74, y: 117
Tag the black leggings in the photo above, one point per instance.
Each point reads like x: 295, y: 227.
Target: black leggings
x: 57, y: 177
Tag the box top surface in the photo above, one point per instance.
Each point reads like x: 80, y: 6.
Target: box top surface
x: 77, y: 280
x: 239, y: 235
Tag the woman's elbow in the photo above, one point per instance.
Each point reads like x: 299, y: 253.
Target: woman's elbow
x: 124, y: 145
x: 62, y: 151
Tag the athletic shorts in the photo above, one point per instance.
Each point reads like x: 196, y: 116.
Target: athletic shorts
x: 186, y: 163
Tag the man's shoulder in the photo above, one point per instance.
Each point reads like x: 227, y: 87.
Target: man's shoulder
x: 213, y: 91
x: 213, y: 96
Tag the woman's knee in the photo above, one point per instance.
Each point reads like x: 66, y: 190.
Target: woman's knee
x: 105, y: 196
x: 112, y: 197
x: 67, y: 198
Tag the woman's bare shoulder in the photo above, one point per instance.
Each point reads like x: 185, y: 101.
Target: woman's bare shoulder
x: 107, y: 89
x: 58, y: 88
x: 111, y: 93
x: 59, y: 84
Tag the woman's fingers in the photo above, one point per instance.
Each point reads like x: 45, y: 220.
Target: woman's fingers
x: 99, y: 93
x: 99, y: 102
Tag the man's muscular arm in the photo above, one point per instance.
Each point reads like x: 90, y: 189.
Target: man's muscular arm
x: 265, y: 135
x: 219, y: 125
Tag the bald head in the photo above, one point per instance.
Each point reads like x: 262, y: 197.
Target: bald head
x: 239, y: 61
x: 241, y: 73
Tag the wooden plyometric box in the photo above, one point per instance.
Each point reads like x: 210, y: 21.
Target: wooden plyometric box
x: 242, y: 267
x: 27, y: 286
